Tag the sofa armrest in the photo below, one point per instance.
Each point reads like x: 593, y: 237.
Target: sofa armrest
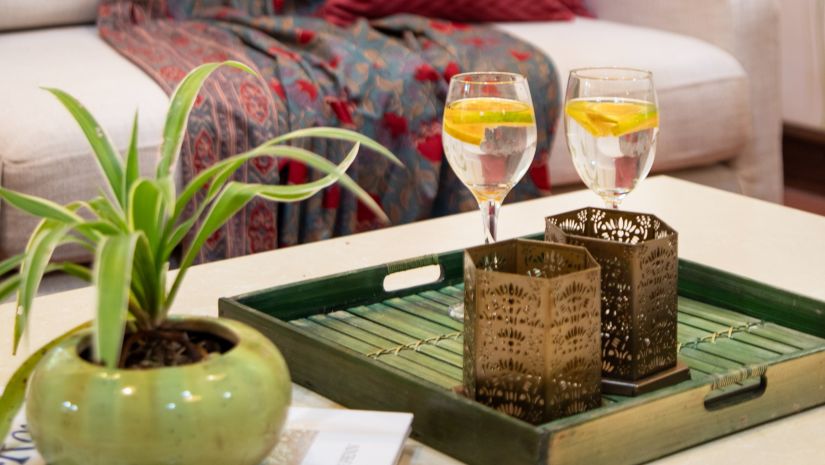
x: 748, y: 30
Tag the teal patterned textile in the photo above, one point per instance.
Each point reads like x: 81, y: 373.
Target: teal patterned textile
x: 385, y: 78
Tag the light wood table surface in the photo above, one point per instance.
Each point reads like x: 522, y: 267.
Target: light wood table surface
x: 763, y: 241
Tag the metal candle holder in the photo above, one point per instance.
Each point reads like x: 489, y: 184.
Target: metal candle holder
x: 638, y: 257
x: 531, y: 329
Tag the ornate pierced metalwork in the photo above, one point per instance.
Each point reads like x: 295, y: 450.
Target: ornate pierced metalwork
x: 638, y: 256
x: 531, y: 329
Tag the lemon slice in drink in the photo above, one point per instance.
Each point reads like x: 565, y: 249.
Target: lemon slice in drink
x: 467, y: 119
x: 615, y: 118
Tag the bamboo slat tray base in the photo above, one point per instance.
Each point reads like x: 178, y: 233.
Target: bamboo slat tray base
x: 348, y: 339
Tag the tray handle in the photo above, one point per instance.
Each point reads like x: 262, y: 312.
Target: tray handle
x: 753, y: 380
x: 405, y: 274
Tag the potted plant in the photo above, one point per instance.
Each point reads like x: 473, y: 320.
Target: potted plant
x: 137, y: 386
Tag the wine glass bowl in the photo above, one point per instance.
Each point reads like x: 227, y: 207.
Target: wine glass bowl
x: 611, y: 120
x: 489, y: 137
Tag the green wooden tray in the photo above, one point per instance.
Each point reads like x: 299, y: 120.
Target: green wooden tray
x: 756, y: 353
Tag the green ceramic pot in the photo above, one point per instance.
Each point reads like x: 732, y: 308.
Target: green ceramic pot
x: 228, y: 409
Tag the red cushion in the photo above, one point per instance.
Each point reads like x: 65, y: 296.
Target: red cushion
x: 344, y: 12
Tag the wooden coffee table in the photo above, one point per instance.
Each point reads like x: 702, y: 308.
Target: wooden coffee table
x: 763, y: 241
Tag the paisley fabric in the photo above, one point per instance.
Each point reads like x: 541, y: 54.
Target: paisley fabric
x: 386, y: 79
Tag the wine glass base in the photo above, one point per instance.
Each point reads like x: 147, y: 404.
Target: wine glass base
x: 457, y: 311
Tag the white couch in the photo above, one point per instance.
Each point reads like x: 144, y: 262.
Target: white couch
x: 715, y: 64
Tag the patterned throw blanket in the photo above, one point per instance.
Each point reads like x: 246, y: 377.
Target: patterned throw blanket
x: 386, y: 79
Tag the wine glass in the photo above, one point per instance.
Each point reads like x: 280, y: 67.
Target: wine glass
x: 611, y: 118
x: 489, y: 138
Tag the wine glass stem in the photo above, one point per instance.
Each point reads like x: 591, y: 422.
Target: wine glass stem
x: 489, y: 218
x: 612, y: 203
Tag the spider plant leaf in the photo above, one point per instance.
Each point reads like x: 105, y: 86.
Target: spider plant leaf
x: 231, y: 164
x: 146, y: 211
x: 46, y: 237
x: 132, y: 159
x: 231, y: 199
x: 147, y: 279
x: 315, y: 161
x: 107, y: 157
x: 219, y: 174
x: 112, y: 275
x: 71, y: 269
x: 181, y: 104
x: 9, y: 286
x: 166, y: 185
x: 97, y: 228
x: 336, y: 134
x: 235, y: 195
x: 39, y: 207
x: 103, y: 208
x: 15, y: 389
x: 10, y: 264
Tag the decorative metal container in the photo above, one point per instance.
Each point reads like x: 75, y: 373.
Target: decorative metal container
x: 531, y: 329
x: 639, y: 265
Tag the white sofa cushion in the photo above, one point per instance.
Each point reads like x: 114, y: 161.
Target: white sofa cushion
x: 42, y: 150
x: 23, y: 14
x: 702, y: 90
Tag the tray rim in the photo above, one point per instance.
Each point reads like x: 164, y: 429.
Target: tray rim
x: 545, y: 433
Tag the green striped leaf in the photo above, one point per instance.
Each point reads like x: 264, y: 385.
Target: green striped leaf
x: 11, y: 263
x: 107, y: 157
x: 38, y: 207
x: 335, y: 134
x: 39, y: 251
x: 112, y: 275
x: 132, y: 159
x: 179, y: 108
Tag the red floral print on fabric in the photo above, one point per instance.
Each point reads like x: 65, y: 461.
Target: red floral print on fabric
x: 332, y: 197
x: 426, y: 72
x: 180, y: 40
x: 280, y: 51
x: 443, y: 27
x: 276, y: 87
x: 263, y: 164
x: 261, y: 230
x: 428, y: 142
x: 333, y: 62
x: 203, y: 151
x: 396, y: 124
x: 216, y: 56
x: 172, y: 73
x: 254, y: 101
x: 430, y: 147
x: 305, y: 36
x: 214, y: 238
x: 343, y: 110
x: 451, y: 70
x: 297, y: 172
x: 520, y: 56
x: 308, y: 88
x: 363, y: 213
x: 539, y: 172
x: 475, y: 42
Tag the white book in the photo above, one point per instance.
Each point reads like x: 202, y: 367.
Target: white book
x: 312, y: 436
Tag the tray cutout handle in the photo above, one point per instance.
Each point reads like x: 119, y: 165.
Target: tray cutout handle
x: 732, y: 388
x: 415, y: 272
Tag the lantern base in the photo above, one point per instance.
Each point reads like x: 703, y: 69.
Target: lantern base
x: 664, y: 378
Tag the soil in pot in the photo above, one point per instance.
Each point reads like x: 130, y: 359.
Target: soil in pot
x: 164, y: 347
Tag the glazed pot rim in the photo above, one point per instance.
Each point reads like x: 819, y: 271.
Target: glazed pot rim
x: 220, y: 327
